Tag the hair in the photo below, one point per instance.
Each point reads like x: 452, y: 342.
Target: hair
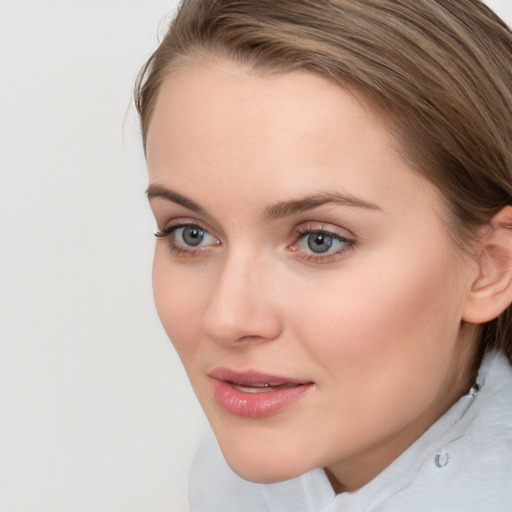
x: 437, y: 72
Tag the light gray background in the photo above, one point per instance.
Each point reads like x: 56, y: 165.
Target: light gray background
x: 96, y: 413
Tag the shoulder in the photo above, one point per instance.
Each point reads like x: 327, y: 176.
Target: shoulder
x: 470, y: 469
x: 490, y: 429
x: 490, y: 425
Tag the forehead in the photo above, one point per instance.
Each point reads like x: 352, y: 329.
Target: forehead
x: 214, y: 100
x: 223, y: 125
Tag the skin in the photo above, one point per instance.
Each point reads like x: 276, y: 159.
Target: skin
x: 375, y: 324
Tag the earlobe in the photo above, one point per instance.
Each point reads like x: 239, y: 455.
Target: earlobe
x: 491, y: 291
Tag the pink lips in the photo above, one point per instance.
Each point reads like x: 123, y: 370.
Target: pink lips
x: 253, y: 394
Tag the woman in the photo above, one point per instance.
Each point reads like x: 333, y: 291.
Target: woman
x: 332, y: 185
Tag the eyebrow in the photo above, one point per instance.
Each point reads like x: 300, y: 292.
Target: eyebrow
x: 165, y: 193
x: 275, y: 211
x: 304, y: 204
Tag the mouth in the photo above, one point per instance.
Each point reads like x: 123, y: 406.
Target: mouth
x: 263, y: 387
x: 255, y: 395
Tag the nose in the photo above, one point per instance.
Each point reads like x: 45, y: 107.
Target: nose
x: 241, y: 308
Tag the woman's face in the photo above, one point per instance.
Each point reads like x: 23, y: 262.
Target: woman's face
x: 304, y: 273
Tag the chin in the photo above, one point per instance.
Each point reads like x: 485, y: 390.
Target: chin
x: 262, y: 473
x: 262, y: 464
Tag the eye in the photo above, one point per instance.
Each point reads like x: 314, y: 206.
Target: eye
x: 187, y: 239
x: 320, y: 244
x: 191, y: 235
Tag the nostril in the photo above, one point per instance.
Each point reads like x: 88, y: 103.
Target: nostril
x: 231, y: 338
x: 251, y: 339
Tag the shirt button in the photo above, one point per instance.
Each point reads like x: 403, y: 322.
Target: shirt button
x: 441, y: 459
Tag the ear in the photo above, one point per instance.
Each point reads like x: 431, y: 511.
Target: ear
x: 491, y: 292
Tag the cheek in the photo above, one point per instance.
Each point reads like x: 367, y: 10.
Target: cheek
x: 385, y: 340
x: 177, y: 299
x: 394, y: 310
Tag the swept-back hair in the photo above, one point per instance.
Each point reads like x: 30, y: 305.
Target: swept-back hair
x: 437, y: 72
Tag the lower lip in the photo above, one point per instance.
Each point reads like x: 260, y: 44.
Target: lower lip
x: 257, y: 405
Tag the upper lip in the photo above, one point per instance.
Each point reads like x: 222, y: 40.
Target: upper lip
x: 251, y: 377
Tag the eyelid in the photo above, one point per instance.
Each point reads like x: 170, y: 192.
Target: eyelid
x: 181, y: 222
x: 324, y: 227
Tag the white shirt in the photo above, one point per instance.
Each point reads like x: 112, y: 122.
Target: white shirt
x: 462, y: 463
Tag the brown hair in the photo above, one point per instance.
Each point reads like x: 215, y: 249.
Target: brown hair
x: 439, y: 72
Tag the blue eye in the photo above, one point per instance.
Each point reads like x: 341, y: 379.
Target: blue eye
x: 191, y: 235
x: 187, y: 239
x: 319, y: 243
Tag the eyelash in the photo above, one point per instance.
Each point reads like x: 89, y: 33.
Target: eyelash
x: 300, y: 235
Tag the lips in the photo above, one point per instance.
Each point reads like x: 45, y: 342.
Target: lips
x: 255, y: 395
